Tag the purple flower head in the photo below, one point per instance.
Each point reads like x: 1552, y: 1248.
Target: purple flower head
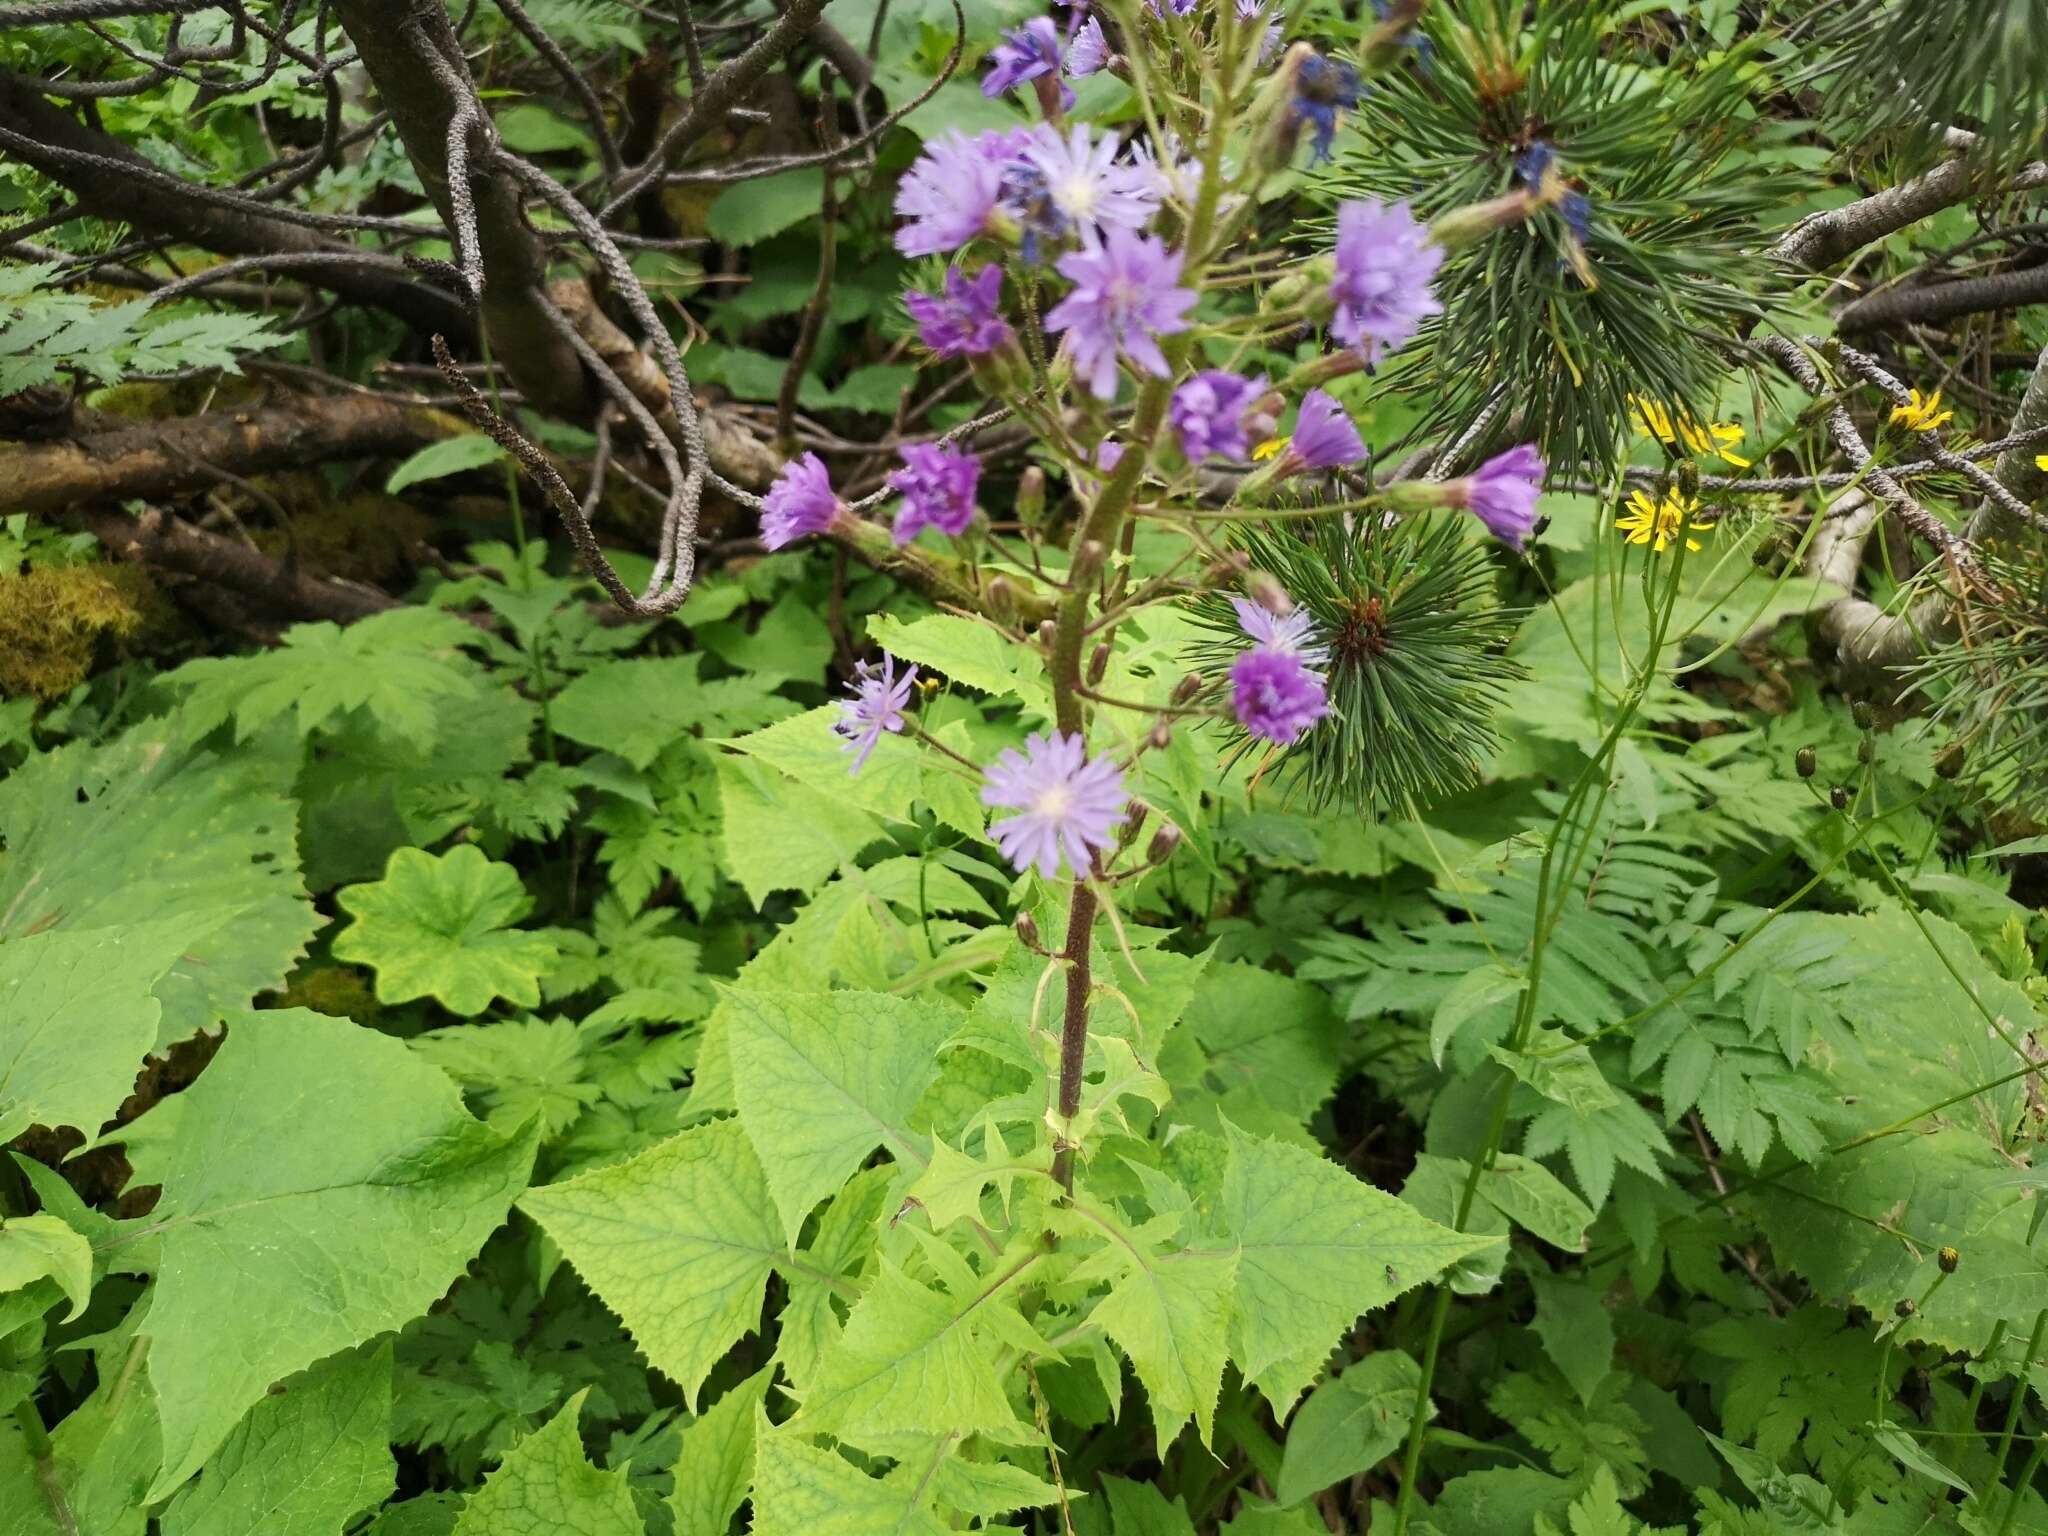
x: 800, y: 503
x: 1250, y: 10
x: 1026, y: 53
x: 1385, y: 262
x: 1089, y: 51
x: 1322, y: 88
x: 1292, y: 633
x: 1275, y: 696
x: 1126, y: 295
x: 1178, y: 7
x: 1211, y: 414
x: 1066, y: 183
x: 938, y: 482
x: 946, y: 198
x: 1502, y: 493
x: 879, y: 699
x: 1324, y: 437
x: 966, y: 319
x: 1065, y: 801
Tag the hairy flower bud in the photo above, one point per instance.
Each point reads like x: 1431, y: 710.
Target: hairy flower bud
x: 1031, y: 496
x: 1948, y: 1259
x: 1098, y: 663
x: 1027, y: 930
x: 1860, y: 712
x: 1805, y: 761
x: 1164, y: 841
x: 1838, y: 797
x: 1161, y: 734
x: 1264, y: 589
x: 1047, y: 632
x: 1187, y: 688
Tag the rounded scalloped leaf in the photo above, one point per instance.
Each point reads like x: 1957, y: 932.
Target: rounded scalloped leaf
x: 439, y: 926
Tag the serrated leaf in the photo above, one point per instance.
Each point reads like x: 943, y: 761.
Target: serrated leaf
x: 309, y: 1456
x: 913, y: 1361
x: 1576, y: 1330
x: 678, y: 1241
x: 1168, y: 1310
x: 76, y: 1017
x: 1349, y: 1424
x: 717, y: 1460
x: 1316, y: 1248
x: 856, y: 1063
x: 752, y: 211
x: 780, y: 835
x: 802, y: 1490
x: 987, y: 1489
x: 401, y: 1185
x: 438, y: 926
x: 1530, y: 1195
x: 967, y: 652
x: 544, y: 1487
x: 155, y: 829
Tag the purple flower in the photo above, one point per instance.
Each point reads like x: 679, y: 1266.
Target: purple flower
x: 1126, y: 294
x: 966, y: 319
x: 1178, y: 7
x: 1064, y: 801
x: 1291, y: 634
x: 1324, y: 437
x: 877, y: 705
x: 1062, y: 183
x: 1385, y: 263
x: 949, y: 193
x: 938, y: 482
x: 1024, y: 54
x: 1209, y: 414
x: 1502, y: 493
x: 1322, y: 87
x: 1089, y: 51
x: 800, y: 503
x: 1274, y: 695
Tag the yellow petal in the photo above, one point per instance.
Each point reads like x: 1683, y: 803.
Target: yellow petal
x: 1269, y: 448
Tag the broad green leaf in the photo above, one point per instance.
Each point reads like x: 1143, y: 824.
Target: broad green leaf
x: 1269, y: 1033
x: 400, y: 667
x: 964, y: 651
x: 780, y: 835
x: 152, y: 830
x: 678, y: 1241
x: 986, y: 1489
x: 1140, y: 1509
x: 717, y: 1460
x: 321, y: 1185
x: 751, y: 211
x: 77, y: 1017
x: 439, y: 926
x: 102, y: 1457
x: 913, y: 1361
x: 1349, y: 1424
x: 1570, y: 1077
x: 1530, y: 1195
x: 898, y: 775
x: 545, y: 1487
x: 1576, y: 1330
x: 789, y: 641
x: 44, y: 1246
x: 310, y: 1455
x: 803, y: 1490
x: 533, y: 129
x: 822, y: 1079
x: 1168, y: 1310
x: 450, y: 456
x: 639, y: 708
x: 1316, y: 1248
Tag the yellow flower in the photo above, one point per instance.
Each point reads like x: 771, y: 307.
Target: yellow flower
x: 1658, y: 523
x: 1922, y: 415
x: 1676, y: 430
x: 2041, y: 461
x: 1270, y: 448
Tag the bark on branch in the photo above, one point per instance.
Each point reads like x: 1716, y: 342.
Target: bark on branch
x: 169, y: 458
x: 1821, y: 240
x: 1928, y: 302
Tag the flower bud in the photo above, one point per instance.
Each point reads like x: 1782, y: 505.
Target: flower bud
x: 1048, y: 631
x: 1948, y: 1260
x: 1805, y: 762
x: 1161, y: 735
x: 1087, y: 563
x: 1860, y: 713
x: 1027, y: 930
x: 1164, y: 841
x: 1098, y: 663
x: 1866, y: 749
x: 1264, y: 588
x: 1031, y: 496
x: 1458, y: 227
x: 1187, y: 688
x: 1950, y: 762
x: 1838, y: 797
x: 1904, y: 1307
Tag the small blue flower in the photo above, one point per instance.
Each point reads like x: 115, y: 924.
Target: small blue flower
x: 1322, y: 88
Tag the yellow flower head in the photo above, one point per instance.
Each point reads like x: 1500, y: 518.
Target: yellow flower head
x: 1270, y: 448
x: 1922, y: 415
x: 1680, y: 432
x: 2041, y: 461
x: 1657, y: 523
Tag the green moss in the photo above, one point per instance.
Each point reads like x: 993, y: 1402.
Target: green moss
x: 53, y: 620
